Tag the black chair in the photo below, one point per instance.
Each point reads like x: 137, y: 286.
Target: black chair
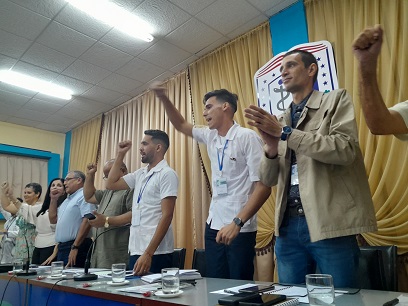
x: 179, y: 257
x: 199, y: 261
x: 378, y: 268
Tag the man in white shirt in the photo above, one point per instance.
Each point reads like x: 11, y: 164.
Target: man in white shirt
x: 151, y: 242
x: 380, y: 119
x: 235, y: 153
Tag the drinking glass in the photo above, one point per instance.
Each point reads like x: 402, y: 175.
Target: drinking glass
x: 118, y: 272
x: 18, y: 265
x: 320, y: 289
x: 170, y: 280
x: 56, y: 268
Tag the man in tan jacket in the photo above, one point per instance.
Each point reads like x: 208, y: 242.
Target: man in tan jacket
x: 313, y: 156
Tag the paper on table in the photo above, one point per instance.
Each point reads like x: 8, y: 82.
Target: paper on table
x: 141, y: 289
x: 185, y: 274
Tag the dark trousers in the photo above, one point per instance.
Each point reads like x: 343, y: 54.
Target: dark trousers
x: 65, y: 247
x: 234, y: 261
x: 159, y: 262
x: 41, y: 254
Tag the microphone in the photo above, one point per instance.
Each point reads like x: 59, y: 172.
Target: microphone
x: 27, y: 272
x: 86, y: 276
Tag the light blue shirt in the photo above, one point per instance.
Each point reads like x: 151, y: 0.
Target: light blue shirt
x: 70, y: 214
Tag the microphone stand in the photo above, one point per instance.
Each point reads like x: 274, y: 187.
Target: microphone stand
x: 27, y: 272
x: 86, y: 276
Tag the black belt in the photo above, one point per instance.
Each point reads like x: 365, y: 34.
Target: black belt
x: 295, y: 211
x: 66, y: 243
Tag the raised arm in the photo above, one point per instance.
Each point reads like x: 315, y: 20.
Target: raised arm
x: 53, y: 209
x: 172, y: 112
x: 115, y: 180
x: 89, y: 185
x: 380, y: 120
x: 8, y: 201
x: 144, y: 262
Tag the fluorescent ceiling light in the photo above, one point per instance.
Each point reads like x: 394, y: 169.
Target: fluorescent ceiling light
x: 116, y: 17
x: 30, y: 83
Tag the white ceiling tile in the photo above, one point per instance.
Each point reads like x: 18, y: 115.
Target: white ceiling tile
x: 6, y: 62
x: 82, y: 22
x: 101, y: 94
x: 51, y: 99
x: 73, y: 113
x: 185, y: 36
x: 62, y: 121
x: 164, y: 54
x: 139, y: 90
x: 216, y: 17
x: 121, y: 100
x: 248, y: 26
x: 24, y: 122
x: 10, y: 97
x: 47, y: 58
x: 66, y: 40
x: 162, y: 15
x: 86, y: 72
x: 76, y: 86
x: 47, y: 8
x: 128, y: 5
x: 119, y: 83
x: 106, y: 57
x: 193, y: 7
x: 264, y: 5
x: 184, y: 64
x: 125, y: 43
x: 213, y: 46
x: 89, y: 105
x: 17, y: 90
x: 13, y: 45
x: 9, y: 109
x: 4, y: 117
x: 140, y: 70
x: 20, y: 21
x: 32, y: 114
x: 42, y: 106
x: 34, y: 71
x: 280, y: 6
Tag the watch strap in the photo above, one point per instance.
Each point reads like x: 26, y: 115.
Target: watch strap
x: 106, y: 222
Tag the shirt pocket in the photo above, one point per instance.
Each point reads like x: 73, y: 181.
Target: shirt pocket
x: 236, y: 163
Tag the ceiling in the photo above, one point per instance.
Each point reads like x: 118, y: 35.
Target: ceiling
x: 53, y: 41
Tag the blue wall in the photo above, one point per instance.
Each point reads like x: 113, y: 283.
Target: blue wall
x: 288, y: 28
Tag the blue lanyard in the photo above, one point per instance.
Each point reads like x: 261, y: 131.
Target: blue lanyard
x: 142, y: 189
x: 221, y: 164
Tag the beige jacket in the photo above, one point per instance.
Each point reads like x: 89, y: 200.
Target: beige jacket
x: 333, y: 183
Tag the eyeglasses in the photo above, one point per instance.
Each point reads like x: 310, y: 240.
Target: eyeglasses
x: 70, y: 178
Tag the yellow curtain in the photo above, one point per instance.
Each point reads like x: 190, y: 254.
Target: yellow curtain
x: 232, y: 66
x: 84, y: 144
x: 386, y: 157
x: 129, y: 121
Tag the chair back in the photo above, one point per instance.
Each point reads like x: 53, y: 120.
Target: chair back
x: 179, y: 257
x: 199, y: 261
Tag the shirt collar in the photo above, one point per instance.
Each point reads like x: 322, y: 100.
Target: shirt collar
x: 73, y: 194
x: 162, y: 164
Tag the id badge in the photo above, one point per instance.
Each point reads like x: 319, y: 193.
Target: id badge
x: 294, y: 178
x: 221, y: 185
x: 136, y: 217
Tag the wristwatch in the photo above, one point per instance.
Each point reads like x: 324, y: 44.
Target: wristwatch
x: 286, y: 131
x: 74, y: 247
x: 106, y: 222
x: 238, y: 222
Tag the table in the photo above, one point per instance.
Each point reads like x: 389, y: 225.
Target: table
x: 28, y: 291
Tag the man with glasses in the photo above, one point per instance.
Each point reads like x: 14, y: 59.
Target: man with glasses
x: 72, y: 229
x: 111, y: 247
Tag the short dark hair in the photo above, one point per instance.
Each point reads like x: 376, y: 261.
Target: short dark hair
x: 36, y: 188
x: 223, y: 95
x: 158, y: 135
x: 307, y: 59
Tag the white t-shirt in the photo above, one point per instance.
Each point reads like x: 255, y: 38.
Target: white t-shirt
x: 239, y: 158
x: 402, y: 109
x: 150, y: 188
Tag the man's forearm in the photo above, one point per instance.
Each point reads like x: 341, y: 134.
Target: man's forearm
x: 52, y: 211
x: 89, y: 187
x: 258, y: 198
x: 82, y: 232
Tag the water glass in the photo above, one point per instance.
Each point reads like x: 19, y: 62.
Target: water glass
x: 118, y: 272
x: 170, y: 280
x: 320, y: 289
x: 18, y: 266
x: 56, y: 268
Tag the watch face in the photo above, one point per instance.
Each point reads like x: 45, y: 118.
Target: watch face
x: 287, y: 129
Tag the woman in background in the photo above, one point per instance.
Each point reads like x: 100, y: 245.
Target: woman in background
x: 47, y: 254
x: 8, y: 241
x: 26, y: 235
